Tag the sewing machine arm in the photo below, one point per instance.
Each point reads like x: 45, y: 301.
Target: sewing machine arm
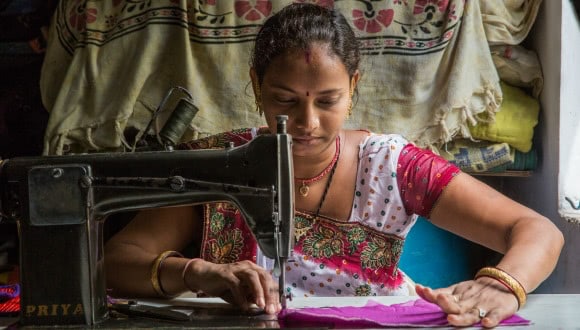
x: 59, y: 202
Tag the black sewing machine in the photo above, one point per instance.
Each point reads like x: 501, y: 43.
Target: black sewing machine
x: 60, y: 203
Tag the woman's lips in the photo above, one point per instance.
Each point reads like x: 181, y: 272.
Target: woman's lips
x: 305, y: 140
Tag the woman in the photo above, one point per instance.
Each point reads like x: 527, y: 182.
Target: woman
x: 357, y: 196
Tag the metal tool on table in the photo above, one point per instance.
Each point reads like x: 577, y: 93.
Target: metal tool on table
x: 61, y: 202
x: 134, y: 308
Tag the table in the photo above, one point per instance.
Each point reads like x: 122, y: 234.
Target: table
x: 546, y: 311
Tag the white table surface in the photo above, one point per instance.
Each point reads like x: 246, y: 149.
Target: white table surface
x: 545, y: 311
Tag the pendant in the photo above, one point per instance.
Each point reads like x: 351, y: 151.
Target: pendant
x: 304, y: 189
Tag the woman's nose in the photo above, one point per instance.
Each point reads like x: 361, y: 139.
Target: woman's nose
x: 306, y: 117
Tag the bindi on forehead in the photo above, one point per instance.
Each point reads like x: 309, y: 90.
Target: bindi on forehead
x: 307, y: 56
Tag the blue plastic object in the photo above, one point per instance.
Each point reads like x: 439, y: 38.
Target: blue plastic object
x: 437, y: 258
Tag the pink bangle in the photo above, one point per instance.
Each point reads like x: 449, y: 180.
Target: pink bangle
x: 185, y: 271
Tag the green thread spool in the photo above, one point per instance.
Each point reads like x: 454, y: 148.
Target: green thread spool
x: 178, y: 122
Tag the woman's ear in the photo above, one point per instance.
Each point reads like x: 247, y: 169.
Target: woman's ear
x: 354, y: 80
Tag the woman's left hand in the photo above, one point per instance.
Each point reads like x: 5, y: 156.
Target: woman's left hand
x: 483, y: 300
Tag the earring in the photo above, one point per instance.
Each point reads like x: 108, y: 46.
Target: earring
x: 258, y: 99
x: 349, y: 109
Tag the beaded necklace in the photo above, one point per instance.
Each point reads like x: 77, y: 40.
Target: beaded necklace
x: 304, y: 188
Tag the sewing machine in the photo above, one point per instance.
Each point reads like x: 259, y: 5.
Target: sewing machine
x: 60, y: 203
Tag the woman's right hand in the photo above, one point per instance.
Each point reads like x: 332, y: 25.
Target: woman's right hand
x: 241, y: 283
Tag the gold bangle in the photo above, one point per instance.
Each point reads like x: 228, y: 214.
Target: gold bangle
x: 156, y: 270
x: 507, y: 280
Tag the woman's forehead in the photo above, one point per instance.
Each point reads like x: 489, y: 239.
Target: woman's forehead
x: 315, y: 57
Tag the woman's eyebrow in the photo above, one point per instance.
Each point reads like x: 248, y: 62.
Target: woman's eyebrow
x: 323, y: 92
x: 331, y: 91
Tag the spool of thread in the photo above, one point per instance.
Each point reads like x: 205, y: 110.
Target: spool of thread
x: 178, y: 122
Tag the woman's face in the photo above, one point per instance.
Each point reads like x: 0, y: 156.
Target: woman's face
x: 314, y: 90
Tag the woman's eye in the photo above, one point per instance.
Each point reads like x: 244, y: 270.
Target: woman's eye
x: 284, y: 100
x: 328, y: 102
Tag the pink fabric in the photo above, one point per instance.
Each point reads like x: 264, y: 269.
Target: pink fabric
x: 418, y: 313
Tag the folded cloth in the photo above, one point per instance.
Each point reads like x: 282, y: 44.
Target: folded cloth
x: 9, y: 299
x: 518, y: 67
x: 508, y: 22
x: 482, y: 156
x: 523, y: 161
x: 417, y: 313
x: 515, y: 121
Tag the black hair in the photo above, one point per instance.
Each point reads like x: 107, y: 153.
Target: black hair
x: 297, y: 26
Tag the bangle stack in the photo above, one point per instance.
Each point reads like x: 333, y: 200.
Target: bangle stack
x: 507, y: 280
x: 156, y: 271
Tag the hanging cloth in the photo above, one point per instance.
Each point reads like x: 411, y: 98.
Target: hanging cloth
x: 426, y: 66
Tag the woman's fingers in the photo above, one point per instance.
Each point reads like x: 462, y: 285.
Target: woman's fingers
x: 442, y: 297
x: 272, y: 295
x: 264, y: 288
x: 241, y: 283
x: 458, y: 312
x: 248, y: 283
x: 470, y: 302
x: 252, y: 285
x: 233, y: 285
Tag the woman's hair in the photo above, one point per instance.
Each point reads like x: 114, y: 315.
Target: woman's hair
x: 297, y: 26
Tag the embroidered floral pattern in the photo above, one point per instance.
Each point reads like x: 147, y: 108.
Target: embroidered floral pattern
x: 371, y: 21
x: 432, y: 20
x: 355, y: 237
x: 452, y: 12
x: 80, y: 15
x: 227, y: 247
x: 395, y: 26
x: 203, y: 15
x: 325, y: 242
x: 363, y: 290
x: 131, y: 6
x: 260, y: 10
x: 380, y: 253
x: 424, y: 6
x: 226, y: 237
x: 219, y: 221
x: 401, y: 25
x: 348, y: 248
x: 301, y: 227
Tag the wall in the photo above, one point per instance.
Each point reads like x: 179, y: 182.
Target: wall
x: 569, y: 176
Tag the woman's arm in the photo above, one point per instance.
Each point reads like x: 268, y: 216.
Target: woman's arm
x: 530, y: 244
x: 130, y: 254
